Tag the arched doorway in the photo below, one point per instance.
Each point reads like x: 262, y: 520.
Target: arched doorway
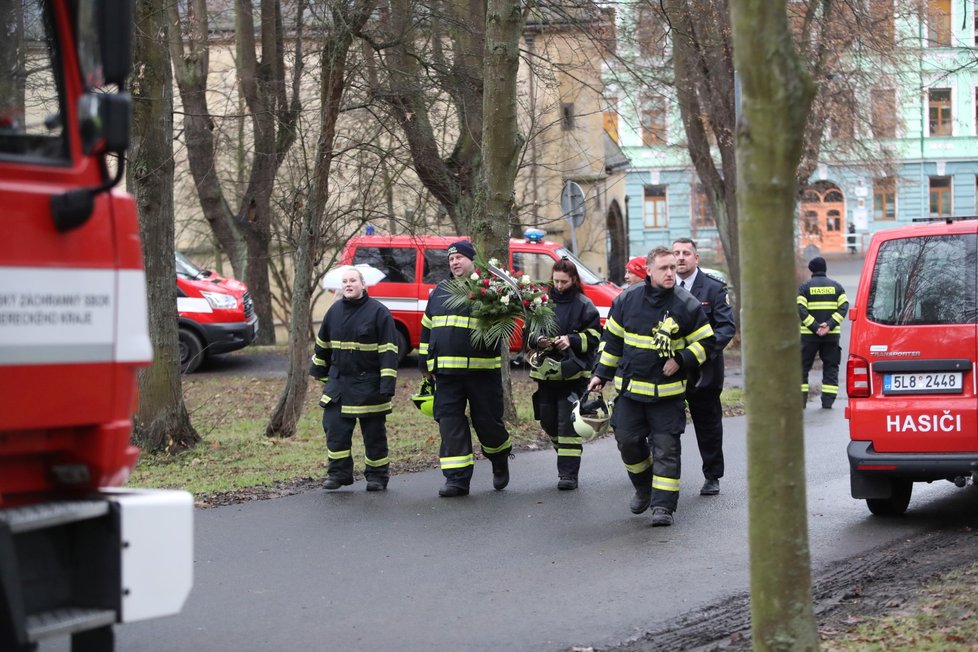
x: 822, y: 227
x: 617, y: 244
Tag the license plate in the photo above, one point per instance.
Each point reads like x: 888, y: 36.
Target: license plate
x: 931, y: 382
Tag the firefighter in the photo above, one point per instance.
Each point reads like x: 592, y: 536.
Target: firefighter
x: 635, y: 271
x: 706, y: 383
x: 356, y: 357
x: 653, y: 339
x: 822, y: 305
x: 463, y: 373
x: 564, y: 366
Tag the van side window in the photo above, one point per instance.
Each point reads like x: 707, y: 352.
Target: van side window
x: 538, y: 266
x: 436, y: 267
x: 925, y: 280
x: 398, y: 263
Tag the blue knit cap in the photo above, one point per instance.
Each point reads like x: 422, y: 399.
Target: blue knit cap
x: 463, y: 247
x: 817, y: 264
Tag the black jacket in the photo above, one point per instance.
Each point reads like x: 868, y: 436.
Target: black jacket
x: 446, y: 338
x: 631, y: 352
x: 356, y: 356
x: 577, y: 318
x: 712, y: 295
x: 821, y: 300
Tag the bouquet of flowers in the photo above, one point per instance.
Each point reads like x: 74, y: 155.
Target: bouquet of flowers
x: 501, y: 301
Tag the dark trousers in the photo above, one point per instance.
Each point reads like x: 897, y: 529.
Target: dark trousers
x: 483, y: 391
x: 830, y: 352
x: 339, y: 440
x: 707, y: 412
x: 648, y: 436
x: 552, y: 407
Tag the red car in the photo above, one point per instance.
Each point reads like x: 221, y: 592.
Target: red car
x: 910, y: 377
x: 216, y: 314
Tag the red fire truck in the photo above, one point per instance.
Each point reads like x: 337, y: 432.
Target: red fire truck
x: 76, y: 554
x: 413, y: 265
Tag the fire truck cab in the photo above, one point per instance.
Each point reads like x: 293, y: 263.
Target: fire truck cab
x: 413, y: 265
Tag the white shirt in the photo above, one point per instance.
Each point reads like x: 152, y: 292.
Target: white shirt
x: 689, y: 281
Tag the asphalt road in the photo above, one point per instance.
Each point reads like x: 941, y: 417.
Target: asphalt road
x: 528, y: 568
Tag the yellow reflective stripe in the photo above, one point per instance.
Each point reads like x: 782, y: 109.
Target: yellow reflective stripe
x: 579, y: 374
x: 842, y: 299
x: 365, y: 409
x: 425, y: 322
x: 385, y: 348
x: 353, y: 346
x: 595, y: 332
x: 808, y: 321
x: 496, y: 449
x: 319, y: 362
x: 614, y: 327
x: 822, y: 305
x: 608, y: 360
x: 837, y: 317
x: 457, y: 321
x: 461, y: 362
x: 644, y: 388
x: 322, y: 343
x: 830, y: 389
x: 665, y: 484
x: 804, y: 387
x: 459, y: 462
x: 641, y: 466
x: 337, y: 455
x: 423, y: 348
x: 700, y: 333
x: 802, y: 301
x: 392, y: 373
x: 569, y: 452
x: 573, y: 441
x: 697, y: 350
x: 324, y: 399
x: 381, y: 462
x: 638, y: 341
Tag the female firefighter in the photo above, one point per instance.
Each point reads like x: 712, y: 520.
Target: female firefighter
x: 561, y: 365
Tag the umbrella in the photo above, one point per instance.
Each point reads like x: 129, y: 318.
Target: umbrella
x: 371, y: 276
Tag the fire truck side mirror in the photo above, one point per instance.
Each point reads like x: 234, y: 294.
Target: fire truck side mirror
x: 115, y: 38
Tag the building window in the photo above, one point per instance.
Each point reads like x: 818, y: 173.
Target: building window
x: 567, y: 116
x: 976, y: 24
x: 701, y: 209
x: 841, y: 124
x: 650, y: 31
x: 884, y: 113
x: 611, y: 118
x: 884, y: 199
x: 654, y: 207
x: 939, y: 111
x: 939, y: 23
x: 653, y: 119
x: 881, y: 15
x: 940, y: 196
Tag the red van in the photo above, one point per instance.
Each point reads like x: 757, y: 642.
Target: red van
x: 413, y: 265
x: 910, y: 377
x: 216, y: 314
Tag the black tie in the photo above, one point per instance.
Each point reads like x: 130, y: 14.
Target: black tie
x: 682, y: 284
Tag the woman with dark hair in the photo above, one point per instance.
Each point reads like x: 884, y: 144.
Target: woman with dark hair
x: 564, y: 366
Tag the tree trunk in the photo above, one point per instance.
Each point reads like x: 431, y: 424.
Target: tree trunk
x: 161, y: 421
x: 777, y: 94
x: 12, y: 51
x: 347, y: 20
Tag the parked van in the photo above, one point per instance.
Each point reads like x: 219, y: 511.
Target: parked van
x: 216, y: 314
x: 910, y: 376
x: 413, y: 265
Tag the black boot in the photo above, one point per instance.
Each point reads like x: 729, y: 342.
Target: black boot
x: 334, y: 482
x: 500, y: 471
x: 567, y: 482
x: 450, y: 490
x: 643, y: 491
x: 377, y: 484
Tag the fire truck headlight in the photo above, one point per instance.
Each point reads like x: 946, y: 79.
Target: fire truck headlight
x: 220, y: 300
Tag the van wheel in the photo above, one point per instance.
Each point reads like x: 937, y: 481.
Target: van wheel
x: 191, y: 351
x: 402, y: 345
x: 896, y: 504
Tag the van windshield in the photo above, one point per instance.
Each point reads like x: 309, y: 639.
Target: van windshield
x: 925, y: 280
x: 187, y: 269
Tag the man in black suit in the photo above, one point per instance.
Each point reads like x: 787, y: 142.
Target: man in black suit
x: 705, y: 383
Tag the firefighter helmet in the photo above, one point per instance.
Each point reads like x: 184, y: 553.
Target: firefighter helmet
x: 424, y: 398
x: 591, y: 415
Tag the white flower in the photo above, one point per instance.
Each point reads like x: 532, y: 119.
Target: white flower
x: 537, y: 301
x: 474, y: 276
x: 504, y: 299
x: 494, y: 262
x: 525, y: 279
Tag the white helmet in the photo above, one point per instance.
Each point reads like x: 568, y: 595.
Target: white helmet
x: 591, y: 416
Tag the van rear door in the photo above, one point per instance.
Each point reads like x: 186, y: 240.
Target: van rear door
x: 920, y: 339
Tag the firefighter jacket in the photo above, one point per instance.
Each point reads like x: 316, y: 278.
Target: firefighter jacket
x: 446, y: 337
x: 578, y: 319
x: 646, y: 327
x: 712, y: 295
x: 821, y: 300
x: 356, y: 357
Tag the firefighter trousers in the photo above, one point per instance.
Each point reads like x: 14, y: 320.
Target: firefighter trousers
x: 830, y: 352
x: 648, y: 436
x: 707, y: 413
x: 339, y: 440
x: 483, y: 392
x: 552, y: 407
